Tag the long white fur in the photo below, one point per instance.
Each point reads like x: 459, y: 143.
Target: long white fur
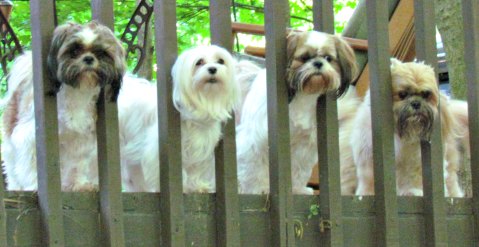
x: 252, y: 140
x: 203, y: 107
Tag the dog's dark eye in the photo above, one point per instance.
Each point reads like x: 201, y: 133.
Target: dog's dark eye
x: 101, y: 54
x: 221, y: 61
x: 425, y: 94
x: 402, y: 95
x: 200, y: 62
x: 305, y: 57
x: 75, y: 51
x: 328, y: 58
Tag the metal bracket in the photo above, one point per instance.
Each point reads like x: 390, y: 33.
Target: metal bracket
x: 139, y: 22
x: 324, y: 224
x: 9, y: 45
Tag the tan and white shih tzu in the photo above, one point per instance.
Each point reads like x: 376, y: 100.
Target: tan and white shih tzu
x: 205, y: 93
x: 415, y: 107
x: 82, y: 59
x: 317, y: 63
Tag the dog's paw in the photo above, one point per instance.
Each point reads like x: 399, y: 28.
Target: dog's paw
x: 412, y: 192
x: 200, y: 188
x: 303, y: 191
x: 82, y: 187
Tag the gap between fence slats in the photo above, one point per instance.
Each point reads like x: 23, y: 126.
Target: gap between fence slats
x: 276, y: 20
x: 382, y: 124
x: 47, y: 146
x: 169, y: 130
x: 227, y: 202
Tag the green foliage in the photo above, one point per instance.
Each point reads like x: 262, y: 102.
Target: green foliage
x: 313, y: 211
x: 68, y: 11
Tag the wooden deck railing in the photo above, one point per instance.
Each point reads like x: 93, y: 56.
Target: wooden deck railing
x: 171, y: 218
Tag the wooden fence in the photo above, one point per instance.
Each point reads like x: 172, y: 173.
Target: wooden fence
x: 171, y: 218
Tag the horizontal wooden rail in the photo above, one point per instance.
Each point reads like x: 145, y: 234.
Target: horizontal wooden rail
x: 356, y: 44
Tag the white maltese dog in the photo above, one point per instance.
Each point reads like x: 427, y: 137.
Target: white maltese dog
x: 317, y: 63
x: 205, y: 93
x: 82, y: 60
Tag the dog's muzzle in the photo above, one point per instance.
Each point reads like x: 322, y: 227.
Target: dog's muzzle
x: 415, y: 118
x: 212, y: 79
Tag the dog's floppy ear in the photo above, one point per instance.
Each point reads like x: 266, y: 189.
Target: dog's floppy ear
x: 293, y: 38
x: 116, y: 84
x: 347, y: 62
x: 59, y: 35
x: 118, y: 54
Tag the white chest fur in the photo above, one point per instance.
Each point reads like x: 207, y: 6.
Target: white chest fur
x: 77, y: 136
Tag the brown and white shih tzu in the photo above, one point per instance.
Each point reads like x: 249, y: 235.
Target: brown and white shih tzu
x: 205, y: 93
x: 82, y: 59
x: 317, y: 63
x: 415, y: 107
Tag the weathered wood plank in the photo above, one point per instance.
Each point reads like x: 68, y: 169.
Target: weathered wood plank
x: 46, y: 134
x: 172, y: 222
x: 142, y: 220
x: 328, y: 145
x: 382, y: 124
x: 227, y: 211
x: 431, y: 152
x: 276, y: 21
x: 470, y: 10
x: 108, y: 150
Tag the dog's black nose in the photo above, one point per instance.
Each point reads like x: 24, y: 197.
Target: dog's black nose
x: 212, y: 70
x: 88, y: 60
x: 416, y: 105
x: 318, y: 64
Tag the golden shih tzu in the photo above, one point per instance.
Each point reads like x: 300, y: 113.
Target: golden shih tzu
x: 415, y: 107
x: 317, y: 63
x: 82, y: 59
x: 205, y: 93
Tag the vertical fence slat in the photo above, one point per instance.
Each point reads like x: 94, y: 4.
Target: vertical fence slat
x: 227, y: 203
x: 103, y: 12
x: 323, y: 16
x: 328, y: 144
x: 432, y: 165
x: 3, y: 213
x: 111, y: 210
x: 46, y: 121
x: 220, y: 23
x: 172, y: 209
x: 382, y: 124
x: 276, y: 20
x: 470, y: 10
